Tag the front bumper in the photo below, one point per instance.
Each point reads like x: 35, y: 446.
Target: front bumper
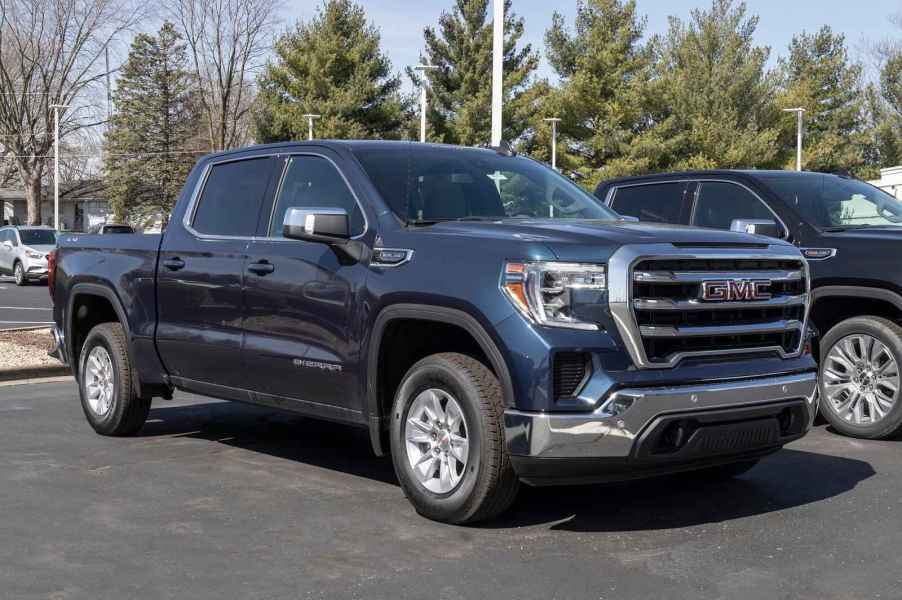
x: 35, y: 268
x: 646, y: 431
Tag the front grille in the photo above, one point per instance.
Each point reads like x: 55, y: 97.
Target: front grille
x: 674, y: 320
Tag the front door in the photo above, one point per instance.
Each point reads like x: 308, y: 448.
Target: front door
x: 302, y: 302
x: 201, y: 274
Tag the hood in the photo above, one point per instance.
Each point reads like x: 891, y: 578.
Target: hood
x: 42, y: 248
x: 561, y: 233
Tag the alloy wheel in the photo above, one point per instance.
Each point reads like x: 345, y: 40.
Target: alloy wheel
x: 437, y: 441
x: 99, y: 381
x: 861, y: 379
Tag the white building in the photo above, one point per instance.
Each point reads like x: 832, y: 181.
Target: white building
x: 890, y: 181
x: 76, y: 214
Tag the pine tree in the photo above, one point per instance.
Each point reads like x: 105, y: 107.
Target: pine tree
x: 461, y: 88
x: 711, y: 95
x: 149, y: 147
x: 819, y: 77
x: 332, y: 66
x: 604, y: 76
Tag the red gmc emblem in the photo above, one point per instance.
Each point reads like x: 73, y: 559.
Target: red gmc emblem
x: 729, y: 290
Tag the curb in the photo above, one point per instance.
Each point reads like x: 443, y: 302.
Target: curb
x: 31, y: 328
x: 34, y: 372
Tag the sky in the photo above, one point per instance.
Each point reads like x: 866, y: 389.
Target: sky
x: 862, y: 21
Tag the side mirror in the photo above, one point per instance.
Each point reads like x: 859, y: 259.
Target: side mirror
x: 324, y: 225
x: 8, y: 245
x: 758, y: 226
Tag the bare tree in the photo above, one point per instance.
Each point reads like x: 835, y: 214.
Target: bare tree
x: 51, y: 52
x: 227, y: 40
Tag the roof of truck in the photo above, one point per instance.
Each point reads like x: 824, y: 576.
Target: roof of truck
x: 335, y: 144
x: 726, y: 173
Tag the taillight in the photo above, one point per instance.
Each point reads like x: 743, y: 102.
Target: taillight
x: 51, y: 271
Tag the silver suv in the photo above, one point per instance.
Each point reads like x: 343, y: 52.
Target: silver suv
x: 23, y: 252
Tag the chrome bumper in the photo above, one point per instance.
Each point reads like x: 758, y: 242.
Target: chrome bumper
x: 601, y: 434
x: 59, y: 346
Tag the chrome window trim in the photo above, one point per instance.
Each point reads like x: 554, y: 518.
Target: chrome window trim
x: 188, y: 218
x: 620, y: 295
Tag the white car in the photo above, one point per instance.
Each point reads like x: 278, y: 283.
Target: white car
x: 23, y: 252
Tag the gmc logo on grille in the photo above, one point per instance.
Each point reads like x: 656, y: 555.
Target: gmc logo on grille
x: 729, y: 290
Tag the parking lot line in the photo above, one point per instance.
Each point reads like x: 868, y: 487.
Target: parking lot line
x: 23, y: 308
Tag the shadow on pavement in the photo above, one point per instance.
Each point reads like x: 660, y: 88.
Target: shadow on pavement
x: 781, y: 481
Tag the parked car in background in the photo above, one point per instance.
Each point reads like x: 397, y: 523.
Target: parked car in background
x: 485, y: 319
x: 108, y: 228
x: 23, y: 252
x: 850, y: 232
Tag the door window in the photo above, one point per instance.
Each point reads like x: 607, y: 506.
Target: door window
x: 232, y: 197
x: 659, y: 202
x: 720, y: 202
x: 314, y: 182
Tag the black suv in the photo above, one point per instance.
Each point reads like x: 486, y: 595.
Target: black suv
x: 846, y: 229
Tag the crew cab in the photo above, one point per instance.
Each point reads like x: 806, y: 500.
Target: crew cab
x: 485, y: 319
x: 847, y: 230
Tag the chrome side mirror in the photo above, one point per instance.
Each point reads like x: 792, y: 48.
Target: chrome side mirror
x: 324, y: 225
x: 757, y: 226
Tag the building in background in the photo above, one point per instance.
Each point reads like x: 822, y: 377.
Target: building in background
x: 890, y: 181
x: 81, y: 207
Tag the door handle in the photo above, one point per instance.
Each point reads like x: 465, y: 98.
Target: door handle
x: 261, y: 268
x: 174, y: 264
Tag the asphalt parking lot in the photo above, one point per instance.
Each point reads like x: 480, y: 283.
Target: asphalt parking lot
x: 27, y: 306
x: 220, y: 500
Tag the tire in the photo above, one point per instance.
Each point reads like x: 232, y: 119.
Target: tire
x: 19, y: 274
x: 119, y: 412
x: 725, y: 472
x: 842, y: 346
x: 487, y: 484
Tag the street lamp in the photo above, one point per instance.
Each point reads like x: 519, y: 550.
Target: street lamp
x: 799, y: 112
x: 424, y: 71
x: 56, y: 163
x: 554, y: 121
x: 497, y: 71
x: 310, y: 118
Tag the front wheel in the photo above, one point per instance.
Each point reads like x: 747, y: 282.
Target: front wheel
x: 447, y: 440
x: 860, y: 377
x: 105, y: 383
x: 19, y: 275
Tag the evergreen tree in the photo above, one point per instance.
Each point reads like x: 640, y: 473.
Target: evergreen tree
x: 148, y: 148
x: 332, y: 66
x: 711, y: 95
x: 604, y: 72
x: 461, y: 88
x: 819, y: 77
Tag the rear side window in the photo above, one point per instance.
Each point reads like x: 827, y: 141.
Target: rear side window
x: 720, y: 202
x: 314, y: 182
x: 659, y: 202
x: 232, y: 197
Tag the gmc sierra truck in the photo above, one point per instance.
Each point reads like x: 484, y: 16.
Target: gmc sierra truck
x: 488, y: 321
x: 847, y: 230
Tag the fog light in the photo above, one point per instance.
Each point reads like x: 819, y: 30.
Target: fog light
x: 617, y: 406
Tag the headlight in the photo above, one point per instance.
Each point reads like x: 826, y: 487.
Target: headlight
x: 558, y: 294
x: 33, y: 254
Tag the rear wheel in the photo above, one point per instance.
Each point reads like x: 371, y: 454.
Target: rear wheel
x: 19, y: 274
x: 860, y: 377
x: 105, y: 379
x: 447, y: 440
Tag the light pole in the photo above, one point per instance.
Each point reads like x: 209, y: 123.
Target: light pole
x: 497, y: 71
x: 424, y: 71
x: 554, y: 121
x: 56, y: 163
x: 310, y: 118
x: 799, y: 112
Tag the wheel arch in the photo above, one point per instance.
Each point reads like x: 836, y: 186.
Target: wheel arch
x: 434, y: 314
x: 833, y: 304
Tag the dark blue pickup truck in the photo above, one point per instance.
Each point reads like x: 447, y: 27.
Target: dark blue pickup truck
x: 489, y: 322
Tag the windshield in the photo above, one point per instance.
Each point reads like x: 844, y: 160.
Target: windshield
x: 37, y: 237
x: 833, y: 201
x: 447, y: 183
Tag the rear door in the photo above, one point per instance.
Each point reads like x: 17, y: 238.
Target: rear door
x: 201, y: 273
x: 657, y: 202
x: 302, y: 301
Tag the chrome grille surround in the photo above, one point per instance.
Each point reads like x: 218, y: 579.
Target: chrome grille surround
x: 621, y: 279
